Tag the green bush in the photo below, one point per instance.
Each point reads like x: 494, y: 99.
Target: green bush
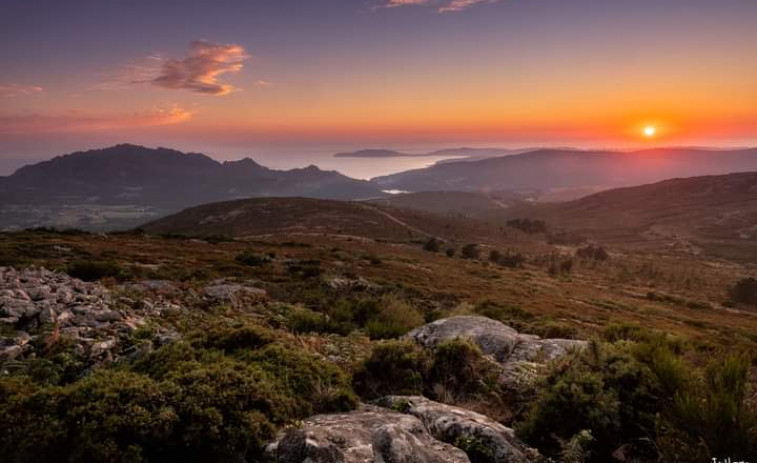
x: 251, y: 259
x: 459, y: 371
x: 88, y: 270
x: 393, y: 368
x: 217, y: 397
x: 603, y: 390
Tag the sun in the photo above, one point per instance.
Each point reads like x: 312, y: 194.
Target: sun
x: 650, y: 131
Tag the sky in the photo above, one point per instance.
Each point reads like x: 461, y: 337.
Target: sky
x: 292, y: 81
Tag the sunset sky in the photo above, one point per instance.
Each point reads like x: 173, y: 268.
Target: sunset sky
x: 268, y: 78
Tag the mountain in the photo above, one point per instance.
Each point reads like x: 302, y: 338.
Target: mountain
x: 712, y: 214
x: 459, y: 154
x: 375, y: 153
x: 129, y: 174
x: 125, y: 185
x: 548, y: 170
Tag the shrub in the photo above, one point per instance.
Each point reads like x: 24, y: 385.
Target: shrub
x: 432, y: 245
x: 476, y: 449
x: 218, y: 397
x: 450, y: 252
x: 470, y: 251
x: 528, y: 225
x: 592, y: 252
x: 745, y: 291
x: 394, y: 319
x: 88, y: 270
x: 459, y: 371
x: 603, y: 390
x: 394, y: 368
x: 495, y: 256
x: 251, y: 259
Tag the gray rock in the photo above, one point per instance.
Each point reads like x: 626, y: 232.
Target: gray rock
x: 367, y: 435
x: 234, y: 293
x: 494, y: 338
x: 453, y: 424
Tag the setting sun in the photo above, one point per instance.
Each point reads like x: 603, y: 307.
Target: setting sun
x: 650, y: 131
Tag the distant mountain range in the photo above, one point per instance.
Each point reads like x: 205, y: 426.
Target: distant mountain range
x: 553, y: 169
x: 455, y: 153
x: 165, y: 178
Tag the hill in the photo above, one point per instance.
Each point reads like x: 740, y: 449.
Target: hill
x: 161, y: 180
x: 714, y: 214
x: 548, y: 170
x: 467, y: 204
x: 305, y: 216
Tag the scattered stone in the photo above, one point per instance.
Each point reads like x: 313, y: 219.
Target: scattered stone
x: 42, y: 306
x: 236, y: 294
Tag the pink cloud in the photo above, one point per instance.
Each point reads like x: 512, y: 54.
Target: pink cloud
x: 76, y: 121
x: 19, y: 90
x: 442, y: 6
x: 199, y: 72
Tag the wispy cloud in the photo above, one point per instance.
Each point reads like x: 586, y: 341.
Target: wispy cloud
x: 442, y: 6
x: 78, y: 121
x: 199, y: 72
x: 13, y: 90
x: 263, y: 83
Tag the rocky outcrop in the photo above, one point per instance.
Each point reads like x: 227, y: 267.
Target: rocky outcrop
x: 238, y: 295
x: 521, y: 356
x: 366, y: 435
x: 39, y: 307
x: 402, y: 430
x: 463, y: 427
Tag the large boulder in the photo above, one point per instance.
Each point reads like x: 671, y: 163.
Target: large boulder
x: 520, y: 356
x: 367, y: 435
x: 495, y: 339
x: 464, y: 427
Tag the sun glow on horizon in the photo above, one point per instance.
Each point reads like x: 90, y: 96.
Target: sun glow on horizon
x: 650, y: 131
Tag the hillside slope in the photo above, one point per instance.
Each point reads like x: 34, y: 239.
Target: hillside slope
x: 715, y: 213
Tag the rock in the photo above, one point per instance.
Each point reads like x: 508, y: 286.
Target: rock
x: 234, y: 293
x: 494, y: 338
x: 368, y: 434
x: 100, y: 348
x: 351, y: 284
x: 83, y: 312
x: 47, y: 315
x: 454, y: 424
x: 10, y: 353
x: 638, y: 451
x: 533, y: 349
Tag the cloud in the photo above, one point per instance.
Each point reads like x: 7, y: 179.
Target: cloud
x: 199, y: 71
x: 396, y: 3
x: 263, y: 83
x: 19, y: 90
x: 459, y: 5
x: 81, y: 122
x: 442, y: 6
